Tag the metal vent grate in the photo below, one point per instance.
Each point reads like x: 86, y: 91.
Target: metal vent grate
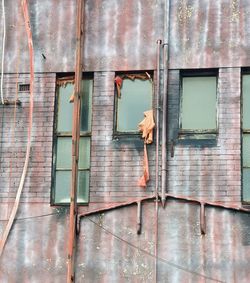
x: 24, y: 87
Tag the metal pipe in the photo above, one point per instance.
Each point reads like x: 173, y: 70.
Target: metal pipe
x: 114, y: 206
x: 168, y: 196
x: 202, y: 219
x: 158, y: 60
x: 165, y: 105
x: 75, y: 143
x: 139, y: 217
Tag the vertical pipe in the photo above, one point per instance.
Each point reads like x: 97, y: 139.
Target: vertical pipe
x: 139, y: 217
x: 75, y: 143
x: 159, y: 42
x: 165, y: 104
x: 202, y: 219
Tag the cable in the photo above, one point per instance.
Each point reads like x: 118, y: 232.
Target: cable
x: 152, y: 255
x: 28, y: 148
x: 3, y: 49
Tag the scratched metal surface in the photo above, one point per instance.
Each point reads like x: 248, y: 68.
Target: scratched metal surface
x: 109, y: 250
x: 121, y: 35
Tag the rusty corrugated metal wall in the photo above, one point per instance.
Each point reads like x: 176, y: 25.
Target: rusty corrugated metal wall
x: 121, y: 35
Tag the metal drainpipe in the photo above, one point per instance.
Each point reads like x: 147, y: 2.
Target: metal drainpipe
x: 165, y: 104
x: 159, y: 45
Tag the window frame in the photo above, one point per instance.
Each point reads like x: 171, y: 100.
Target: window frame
x: 242, y: 132
x: 116, y: 133
x: 197, y: 133
x: 57, y: 134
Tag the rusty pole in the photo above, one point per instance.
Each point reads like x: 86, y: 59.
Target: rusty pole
x: 165, y: 105
x: 75, y: 143
x: 159, y: 42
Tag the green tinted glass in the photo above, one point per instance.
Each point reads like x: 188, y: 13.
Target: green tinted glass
x: 136, y: 98
x: 63, y: 153
x: 86, y: 105
x: 84, y: 153
x: 246, y: 184
x: 198, y: 107
x: 65, y: 108
x: 246, y: 102
x: 246, y: 150
x: 63, y: 183
x: 83, y: 186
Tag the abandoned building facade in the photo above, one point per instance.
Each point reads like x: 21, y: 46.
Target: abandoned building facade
x: 182, y: 218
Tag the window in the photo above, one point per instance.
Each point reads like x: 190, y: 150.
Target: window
x: 133, y: 98
x: 246, y: 138
x: 63, y: 144
x: 198, y: 104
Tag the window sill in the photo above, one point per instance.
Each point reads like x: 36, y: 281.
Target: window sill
x: 198, y: 138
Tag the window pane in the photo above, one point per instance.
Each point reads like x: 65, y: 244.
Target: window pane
x: 246, y: 101
x: 198, y: 103
x: 63, y: 183
x: 86, y: 105
x: 65, y: 109
x: 62, y: 189
x: 246, y: 150
x: 84, y: 153
x: 83, y: 186
x: 246, y: 184
x: 136, y: 98
x: 64, y: 153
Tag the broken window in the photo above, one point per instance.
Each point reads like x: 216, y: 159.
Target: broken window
x: 198, y: 104
x: 133, y: 98
x: 63, y: 143
x: 246, y: 138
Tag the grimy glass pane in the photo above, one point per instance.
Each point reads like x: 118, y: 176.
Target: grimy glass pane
x: 246, y: 184
x: 246, y: 102
x: 62, y: 188
x: 63, y: 183
x: 65, y: 109
x: 246, y: 150
x: 198, y: 103
x: 86, y: 105
x: 136, y: 98
x: 83, y: 186
x: 64, y: 153
x: 84, y: 153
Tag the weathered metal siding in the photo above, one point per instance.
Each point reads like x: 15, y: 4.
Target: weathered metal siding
x: 109, y: 249
x: 121, y: 35
x: 207, y: 34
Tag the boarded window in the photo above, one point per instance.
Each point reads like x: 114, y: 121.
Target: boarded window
x: 63, y: 144
x: 246, y: 138
x: 136, y: 98
x: 198, y: 103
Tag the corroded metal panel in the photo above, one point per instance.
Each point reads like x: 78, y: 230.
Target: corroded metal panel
x: 109, y: 249
x: 119, y: 35
x: 207, y: 34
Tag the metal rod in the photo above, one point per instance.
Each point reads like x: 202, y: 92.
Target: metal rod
x: 168, y: 196
x: 139, y: 217
x: 202, y: 219
x: 114, y: 206
x: 158, y: 59
x: 165, y: 105
x: 75, y: 143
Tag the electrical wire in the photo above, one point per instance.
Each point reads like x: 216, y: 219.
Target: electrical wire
x: 152, y: 255
x: 3, y: 49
